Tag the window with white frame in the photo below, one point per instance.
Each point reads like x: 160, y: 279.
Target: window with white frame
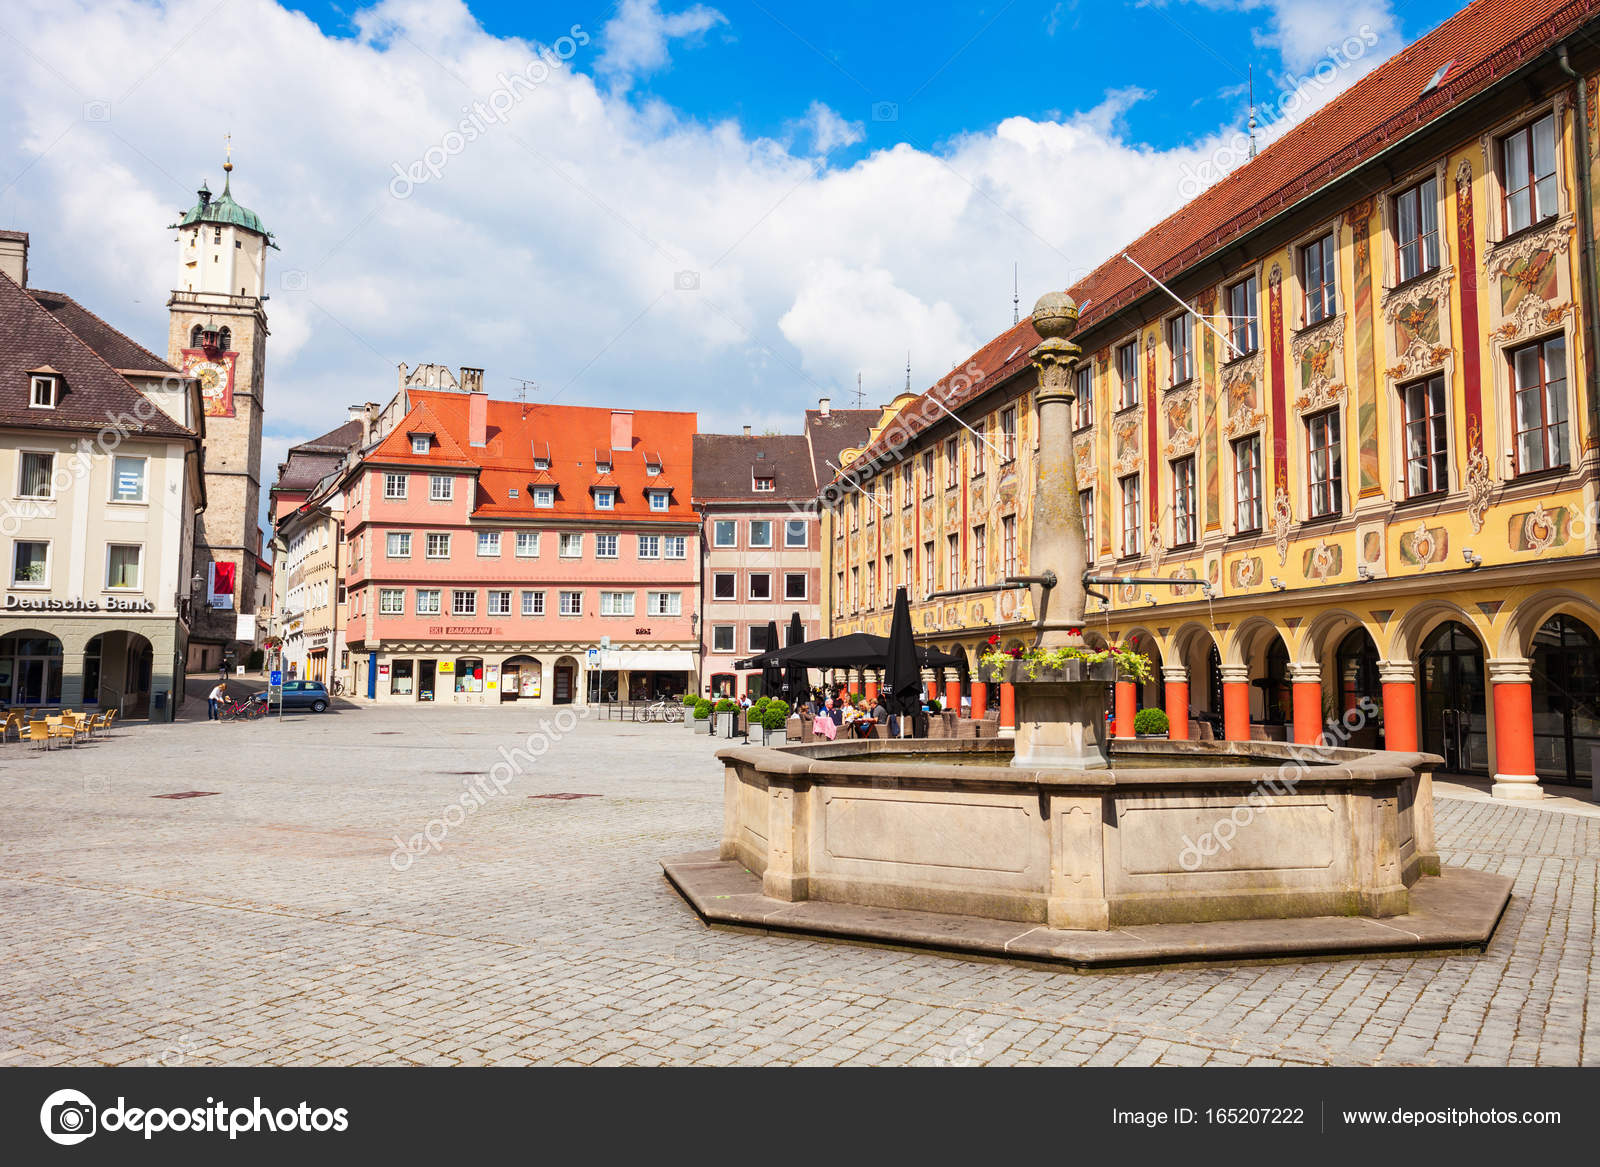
x: 795, y: 533
x: 1086, y: 509
x: 1416, y: 230
x: 391, y: 601
x: 527, y: 544
x: 649, y: 546
x: 604, y: 499
x: 1184, y: 526
x: 1427, y: 436
x: 664, y: 603
x: 980, y: 555
x: 42, y: 394
x: 499, y: 601
x: 927, y: 477
x: 1083, y: 407
x: 572, y: 603
x: 544, y: 496
x: 675, y: 546
x: 441, y: 487
x: 1008, y: 434
x: 394, y: 485
x: 794, y: 585
x: 980, y: 449
x: 37, y: 477
x: 1243, y: 333
x: 605, y: 546
x: 464, y: 602
x: 438, y: 545
x: 763, y: 484
x: 1008, y: 546
x: 489, y: 544
x: 397, y: 544
x: 124, y: 562
x: 1317, y: 279
x: 1128, y: 374
x: 1180, y: 344
x: 419, y: 443
x: 533, y: 603
x: 760, y: 585
x: 724, y: 585
x: 722, y: 638
x: 660, y: 500
x: 127, y: 478
x: 427, y: 601
x: 761, y: 532
x: 872, y: 585
x: 724, y: 533
x: 1539, y: 404
x: 570, y: 545
x: 952, y: 463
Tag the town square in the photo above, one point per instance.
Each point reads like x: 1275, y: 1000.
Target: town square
x: 676, y: 536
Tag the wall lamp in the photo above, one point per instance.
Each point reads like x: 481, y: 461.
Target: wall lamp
x: 1472, y: 557
x: 1278, y: 583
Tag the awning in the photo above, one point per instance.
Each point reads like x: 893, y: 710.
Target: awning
x: 669, y: 660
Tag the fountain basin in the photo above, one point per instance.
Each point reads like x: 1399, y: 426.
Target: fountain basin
x: 1170, y: 832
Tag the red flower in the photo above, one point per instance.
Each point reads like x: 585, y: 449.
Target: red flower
x: 995, y: 639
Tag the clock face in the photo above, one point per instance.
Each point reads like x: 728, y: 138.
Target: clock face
x: 213, y: 377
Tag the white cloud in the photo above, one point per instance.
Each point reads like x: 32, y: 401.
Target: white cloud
x: 636, y: 42
x: 549, y: 246
x: 827, y: 130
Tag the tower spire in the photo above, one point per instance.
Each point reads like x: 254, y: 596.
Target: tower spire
x: 227, y: 161
x: 1016, y: 304
x: 1252, y: 82
x: 908, y: 370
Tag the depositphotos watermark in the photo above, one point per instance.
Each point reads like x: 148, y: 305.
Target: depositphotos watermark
x: 1299, y: 96
x: 68, y: 1117
x: 488, y: 110
x: 1221, y: 835
x: 480, y: 788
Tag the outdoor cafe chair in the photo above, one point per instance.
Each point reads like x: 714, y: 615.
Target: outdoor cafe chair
x: 39, y: 734
x: 59, y: 727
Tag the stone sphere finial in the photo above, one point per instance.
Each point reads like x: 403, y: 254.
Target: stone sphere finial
x: 1055, y: 315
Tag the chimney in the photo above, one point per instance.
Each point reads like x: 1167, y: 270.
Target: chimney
x: 822, y: 406
x: 471, y: 379
x: 622, y: 429
x: 14, y: 255
x: 747, y: 431
x: 478, y: 418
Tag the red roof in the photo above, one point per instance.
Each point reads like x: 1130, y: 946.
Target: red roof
x: 1486, y: 40
x: 571, y: 436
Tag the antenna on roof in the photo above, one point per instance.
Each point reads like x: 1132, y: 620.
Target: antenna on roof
x: 860, y: 394
x: 1016, y: 313
x: 523, y: 385
x: 1252, y: 84
x: 908, y: 370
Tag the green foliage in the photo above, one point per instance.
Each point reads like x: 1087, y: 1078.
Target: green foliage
x: 935, y: 705
x: 702, y: 709
x: 691, y: 699
x: 1151, y: 721
x: 1132, y: 664
x: 775, y: 715
x: 727, y: 705
x: 760, y: 707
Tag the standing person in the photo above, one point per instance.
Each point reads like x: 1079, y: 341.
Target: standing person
x: 214, y: 700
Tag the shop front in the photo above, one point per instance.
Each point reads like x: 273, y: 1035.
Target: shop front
x: 96, y: 660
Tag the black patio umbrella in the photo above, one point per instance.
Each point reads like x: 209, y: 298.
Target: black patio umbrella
x: 795, y: 681
x: 771, y: 670
x: 902, y: 674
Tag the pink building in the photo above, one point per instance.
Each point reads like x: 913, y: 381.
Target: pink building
x: 500, y: 551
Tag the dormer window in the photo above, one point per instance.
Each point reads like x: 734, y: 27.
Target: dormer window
x: 602, y: 466
x: 659, y: 500
x: 544, y: 496
x: 43, y: 393
x: 604, y: 500
x: 421, y: 443
x: 764, y: 485
x: 652, y: 468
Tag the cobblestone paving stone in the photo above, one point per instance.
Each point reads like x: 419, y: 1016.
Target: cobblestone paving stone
x: 267, y: 925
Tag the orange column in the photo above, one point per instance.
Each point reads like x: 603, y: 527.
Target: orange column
x: 1399, y: 704
x: 952, y: 696
x: 1307, y: 681
x: 980, y: 699
x: 1514, y: 777
x: 1236, y: 703
x: 1008, y: 705
x: 933, y: 690
x: 1127, y: 707
x: 1177, y: 678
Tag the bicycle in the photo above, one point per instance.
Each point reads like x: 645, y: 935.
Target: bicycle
x: 336, y: 686
x: 252, y: 708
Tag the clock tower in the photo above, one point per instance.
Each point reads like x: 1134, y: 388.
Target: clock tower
x: 218, y: 333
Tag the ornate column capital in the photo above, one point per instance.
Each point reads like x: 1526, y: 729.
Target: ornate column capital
x: 1397, y: 672
x: 1235, y: 674
x: 1174, y: 674
x: 1510, y: 670
x: 1301, y: 673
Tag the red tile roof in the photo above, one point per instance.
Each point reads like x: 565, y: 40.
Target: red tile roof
x: 1486, y: 40
x: 572, y: 434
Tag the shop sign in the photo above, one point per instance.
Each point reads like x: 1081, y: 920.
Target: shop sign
x: 43, y: 604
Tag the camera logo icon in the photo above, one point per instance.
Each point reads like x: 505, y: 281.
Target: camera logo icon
x: 295, y: 280
x: 97, y: 111
x: 68, y: 1117
x: 686, y: 281
x: 885, y: 111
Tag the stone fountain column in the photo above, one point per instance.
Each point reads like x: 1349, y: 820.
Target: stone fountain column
x: 1061, y: 718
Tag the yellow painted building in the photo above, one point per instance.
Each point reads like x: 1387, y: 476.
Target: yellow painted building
x: 1371, y: 445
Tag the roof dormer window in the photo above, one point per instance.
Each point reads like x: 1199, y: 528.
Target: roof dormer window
x: 602, y: 465
x: 421, y: 443
x: 764, y: 485
x: 541, y: 463
x: 653, y: 469
x: 660, y: 500
x: 43, y: 392
x: 604, y: 499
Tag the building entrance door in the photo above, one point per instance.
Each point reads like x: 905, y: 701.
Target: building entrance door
x: 1454, y: 710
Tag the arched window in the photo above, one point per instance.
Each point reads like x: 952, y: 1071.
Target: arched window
x: 1276, y: 693
x: 1357, y: 663
x: 197, y: 336
x: 1566, y: 699
x: 225, y: 340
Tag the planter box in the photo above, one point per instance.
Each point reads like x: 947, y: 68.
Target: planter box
x: 1016, y: 673
x: 724, y: 724
x: 701, y: 725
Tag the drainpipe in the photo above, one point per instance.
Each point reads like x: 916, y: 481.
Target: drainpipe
x: 1591, y: 364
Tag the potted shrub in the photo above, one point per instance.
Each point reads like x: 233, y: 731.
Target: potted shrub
x: 690, y: 700
x: 702, y: 715
x: 1151, y: 723
x: 726, y: 715
x: 774, y: 722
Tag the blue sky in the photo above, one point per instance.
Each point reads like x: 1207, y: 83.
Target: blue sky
x: 697, y: 209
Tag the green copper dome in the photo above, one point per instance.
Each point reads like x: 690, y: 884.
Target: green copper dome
x: 223, y: 210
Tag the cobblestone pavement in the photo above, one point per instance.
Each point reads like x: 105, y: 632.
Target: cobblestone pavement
x: 268, y: 925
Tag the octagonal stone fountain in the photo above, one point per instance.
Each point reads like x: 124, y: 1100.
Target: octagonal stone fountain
x: 1061, y: 847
